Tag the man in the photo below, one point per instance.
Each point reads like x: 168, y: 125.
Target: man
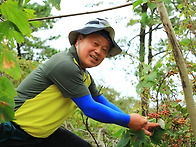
x: 57, y: 87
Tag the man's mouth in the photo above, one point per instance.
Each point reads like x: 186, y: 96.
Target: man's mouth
x: 94, y: 58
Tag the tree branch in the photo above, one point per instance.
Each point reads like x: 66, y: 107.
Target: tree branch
x: 85, y: 121
x: 82, y: 13
x: 180, y: 62
x: 156, y: 28
x: 2, y: 19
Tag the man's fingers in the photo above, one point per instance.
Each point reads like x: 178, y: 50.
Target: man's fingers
x: 148, y: 127
x: 152, y: 125
x: 147, y: 132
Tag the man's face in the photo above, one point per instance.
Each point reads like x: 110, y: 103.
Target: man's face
x: 93, y: 49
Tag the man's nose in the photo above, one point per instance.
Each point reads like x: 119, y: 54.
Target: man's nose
x: 98, y: 51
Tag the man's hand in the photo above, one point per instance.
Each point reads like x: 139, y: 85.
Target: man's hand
x: 138, y: 122
x: 148, y: 127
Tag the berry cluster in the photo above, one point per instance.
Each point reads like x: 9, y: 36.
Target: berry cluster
x: 163, y: 113
x: 180, y: 122
x: 152, y: 115
x: 175, y: 145
x: 172, y: 73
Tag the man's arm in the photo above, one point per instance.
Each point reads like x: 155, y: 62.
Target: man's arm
x: 101, y: 99
x: 105, y: 114
x: 100, y: 112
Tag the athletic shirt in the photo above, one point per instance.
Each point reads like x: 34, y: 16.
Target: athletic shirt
x: 43, y: 99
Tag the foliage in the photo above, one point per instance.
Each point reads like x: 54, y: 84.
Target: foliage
x: 127, y: 104
x: 36, y: 48
x: 6, y: 100
x: 131, y: 138
x: 26, y: 66
x: 158, y: 85
x: 14, y: 26
x: 105, y: 134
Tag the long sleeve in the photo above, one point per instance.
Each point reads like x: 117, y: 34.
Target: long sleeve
x: 101, y: 99
x: 101, y: 112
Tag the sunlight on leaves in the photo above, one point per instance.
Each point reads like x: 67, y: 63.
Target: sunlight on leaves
x: 9, y: 65
x: 7, y: 104
x: 11, y: 12
x: 10, y: 31
x: 56, y: 3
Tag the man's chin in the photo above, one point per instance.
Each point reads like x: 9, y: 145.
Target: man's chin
x: 92, y: 65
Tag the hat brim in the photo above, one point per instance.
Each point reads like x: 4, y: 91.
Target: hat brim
x: 88, y: 30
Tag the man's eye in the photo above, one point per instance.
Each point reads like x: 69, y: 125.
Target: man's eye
x: 104, y: 50
x: 95, y: 43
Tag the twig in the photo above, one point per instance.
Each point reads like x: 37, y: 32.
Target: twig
x: 82, y: 13
x: 99, y: 135
x: 86, y: 124
x: 2, y: 19
x: 159, y: 87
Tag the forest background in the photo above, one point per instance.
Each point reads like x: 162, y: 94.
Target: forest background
x: 158, y: 89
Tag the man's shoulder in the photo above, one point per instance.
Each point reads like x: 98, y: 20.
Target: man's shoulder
x: 61, y: 61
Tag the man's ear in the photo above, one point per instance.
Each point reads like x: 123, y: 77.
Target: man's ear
x: 80, y: 37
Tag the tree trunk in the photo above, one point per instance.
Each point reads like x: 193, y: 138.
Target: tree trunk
x: 150, y: 56
x: 150, y: 46
x: 180, y: 62
x: 144, y: 99
x: 19, y: 51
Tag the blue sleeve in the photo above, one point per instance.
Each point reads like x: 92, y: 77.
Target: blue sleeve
x: 100, y: 112
x: 101, y: 99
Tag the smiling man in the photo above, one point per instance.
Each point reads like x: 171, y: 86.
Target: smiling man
x: 57, y: 87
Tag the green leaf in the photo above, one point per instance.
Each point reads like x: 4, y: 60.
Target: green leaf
x: 20, y: 2
x: 146, y: 68
x: 125, y: 139
x: 9, y: 64
x: 185, y: 42
x: 145, y: 19
x: 11, y: 12
x: 152, y: 6
x: 167, y: 125
x: 117, y: 134
x: 26, y: 1
x: 136, y: 3
x: 174, y: 104
x: 55, y: 3
x: 180, y: 6
x: 152, y: 77
x: 36, y: 24
x: 139, y: 88
x: 164, y: 144
x: 31, y: 15
x: 1, y: 47
x: 10, y: 31
x: 133, y: 21
x: 140, y: 138
x: 176, y: 29
x: 157, y: 135
x: 166, y: 1
x: 158, y: 65
x: 6, y: 100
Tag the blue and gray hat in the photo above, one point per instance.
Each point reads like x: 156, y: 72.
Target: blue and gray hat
x: 102, y: 27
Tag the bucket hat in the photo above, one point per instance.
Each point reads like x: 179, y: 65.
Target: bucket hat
x: 93, y: 26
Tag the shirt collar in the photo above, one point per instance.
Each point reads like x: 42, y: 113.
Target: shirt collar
x: 73, y: 51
